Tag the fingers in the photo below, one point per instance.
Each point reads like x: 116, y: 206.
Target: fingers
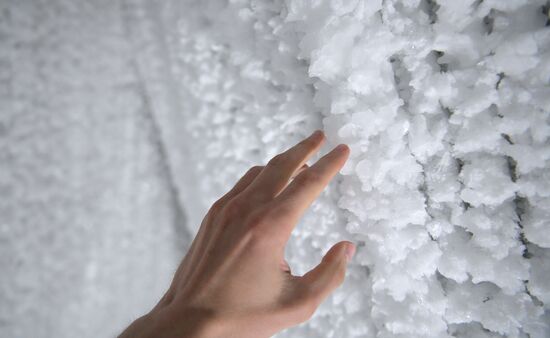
x: 297, y: 172
x: 205, y: 231
x: 310, y: 290
x: 306, y: 187
x: 330, y: 273
x: 243, y: 182
x: 276, y: 174
x: 241, y: 185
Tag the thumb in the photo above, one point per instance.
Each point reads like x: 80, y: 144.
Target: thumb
x: 330, y: 273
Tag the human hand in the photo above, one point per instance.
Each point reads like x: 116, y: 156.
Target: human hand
x: 234, y: 281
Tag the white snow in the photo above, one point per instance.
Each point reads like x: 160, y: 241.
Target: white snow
x: 445, y: 107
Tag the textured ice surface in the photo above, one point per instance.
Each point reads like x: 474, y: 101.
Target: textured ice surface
x: 445, y: 105
x: 88, y: 220
x: 141, y: 107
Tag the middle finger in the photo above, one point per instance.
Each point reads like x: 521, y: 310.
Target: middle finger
x: 276, y: 174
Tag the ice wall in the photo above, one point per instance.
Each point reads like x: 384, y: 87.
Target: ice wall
x: 445, y: 105
x: 90, y: 227
x: 122, y: 120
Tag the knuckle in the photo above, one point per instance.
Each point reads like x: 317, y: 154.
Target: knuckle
x: 279, y: 211
x: 258, y: 242
x: 308, y: 142
x: 276, y: 161
x: 255, y: 228
x: 257, y: 218
x: 217, y: 206
x: 255, y: 169
x: 233, y: 208
x: 309, y: 177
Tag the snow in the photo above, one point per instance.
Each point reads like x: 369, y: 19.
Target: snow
x: 90, y: 231
x: 444, y: 104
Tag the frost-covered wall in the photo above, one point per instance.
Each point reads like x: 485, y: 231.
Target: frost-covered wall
x: 125, y: 119
x: 90, y: 232
x: 445, y: 105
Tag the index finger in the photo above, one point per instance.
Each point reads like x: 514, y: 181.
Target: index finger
x: 276, y: 174
x: 307, y: 186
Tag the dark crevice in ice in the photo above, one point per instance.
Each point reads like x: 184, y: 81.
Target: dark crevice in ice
x: 431, y: 8
x: 534, y: 298
x: 501, y: 76
x: 381, y: 12
x: 443, y: 281
x: 546, y: 11
x: 507, y: 138
x: 521, y: 205
x: 446, y: 110
x: 423, y: 188
x: 512, y: 168
x: 402, y: 78
x: 477, y: 3
x: 489, y: 22
x: 459, y: 165
x: 443, y: 67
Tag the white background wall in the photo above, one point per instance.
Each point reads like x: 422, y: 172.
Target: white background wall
x: 121, y: 121
x: 91, y: 228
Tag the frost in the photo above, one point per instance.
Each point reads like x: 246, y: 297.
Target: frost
x: 445, y: 107
x: 486, y: 182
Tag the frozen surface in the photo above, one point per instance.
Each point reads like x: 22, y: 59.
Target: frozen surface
x: 90, y: 228
x: 445, y: 105
x: 126, y: 119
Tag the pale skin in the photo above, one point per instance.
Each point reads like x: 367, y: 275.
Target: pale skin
x: 234, y: 280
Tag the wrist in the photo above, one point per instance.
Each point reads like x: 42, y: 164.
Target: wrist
x: 140, y: 328
x: 188, y: 322
x: 174, y: 323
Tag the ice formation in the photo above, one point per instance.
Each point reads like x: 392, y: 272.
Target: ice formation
x: 445, y: 105
x: 86, y: 214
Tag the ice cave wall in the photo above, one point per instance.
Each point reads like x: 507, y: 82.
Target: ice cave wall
x: 445, y: 105
x: 90, y: 227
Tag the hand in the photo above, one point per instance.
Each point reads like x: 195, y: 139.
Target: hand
x: 234, y: 281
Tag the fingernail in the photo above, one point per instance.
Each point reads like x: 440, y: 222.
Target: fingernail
x: 341, y: 147
x: 350, y: 251
x: 316, y: 133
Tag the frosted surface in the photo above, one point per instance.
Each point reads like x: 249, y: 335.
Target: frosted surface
x: 90, y: 230
x: 445, y: 105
